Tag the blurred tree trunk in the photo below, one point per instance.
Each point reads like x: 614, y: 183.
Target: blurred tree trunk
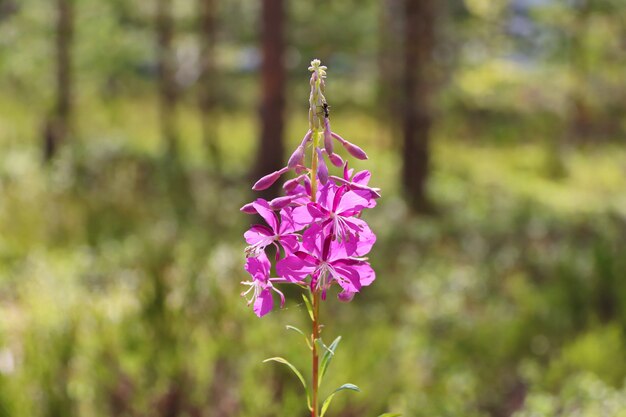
x: 390, y: 30
x: 168, y: 93
x: 7, y: 9
x: 208, y: 99
x: 273, y: 74
x: 58, y: 125
x: 418, y: 49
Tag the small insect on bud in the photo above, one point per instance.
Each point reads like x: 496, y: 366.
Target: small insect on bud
x: 328, y: 138
x: 248, y: 209
x: 266, y: 182
x: 322, y: 169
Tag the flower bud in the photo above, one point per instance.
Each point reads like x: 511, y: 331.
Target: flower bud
x: 345, y: 296
x: 335, y: 160
x: 290, y: 185
x: 281, y: 202
x: 354, y: 150
x: 296, y: 158
x: 248, y: 209
x: 328, y: 139
x: 322, y: 169
x: 266, y: 182
x: 306, y: 138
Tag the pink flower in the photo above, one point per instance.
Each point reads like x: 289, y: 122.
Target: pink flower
x: 260, y: 236
x: 336, y: 211
x: 326, y: 261
x: 260, y: 286
x: 358, y: 183
x: 319, y: 234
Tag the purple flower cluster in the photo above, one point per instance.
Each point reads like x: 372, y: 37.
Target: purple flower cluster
x: 316, y: 229
x: 321, y: 238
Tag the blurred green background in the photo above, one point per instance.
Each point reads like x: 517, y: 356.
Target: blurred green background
x: 130, y: 133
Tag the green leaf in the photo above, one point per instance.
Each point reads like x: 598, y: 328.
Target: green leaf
x: 295, y: 329
x: 306, y: 338
x: 390, y: 415
x: 327, y: 401
x: 293, y: 368
x: 309, y: 307
x: 327, y: 357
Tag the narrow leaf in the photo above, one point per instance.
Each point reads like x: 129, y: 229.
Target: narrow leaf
x: 390, y: 415
x: 327, y: 357
x: 293, y: 368
x: 295, y: 329
x: 322, y: 346
x: 328, y: 400
x: 306, y: 338
x: 309, y: 307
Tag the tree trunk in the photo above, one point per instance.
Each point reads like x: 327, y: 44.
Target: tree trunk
x: 418, y: 48
x: 168, y: 93
x: 390, y: 31
x: 58, y: 125
x: 207, y: 101
x: 273, y: 74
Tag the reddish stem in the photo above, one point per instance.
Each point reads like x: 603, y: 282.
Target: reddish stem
x: 315, y: 336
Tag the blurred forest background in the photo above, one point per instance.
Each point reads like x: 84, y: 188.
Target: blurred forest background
x: 131, y: 131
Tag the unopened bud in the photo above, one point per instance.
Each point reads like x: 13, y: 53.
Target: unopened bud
x: 335, y: 160
x: 291, y: 184
x: 248, y: 209
x: 345, y: 296
x: 322, y: 169
x: 354, y: 150
x: 281, y: 202
x: 306, y: 138
x: 328, y: 139
x: 296, y: 157
x: 267, y: 181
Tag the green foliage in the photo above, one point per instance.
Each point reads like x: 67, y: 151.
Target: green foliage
x: 582, y: 395
x: 327, y: 356
x: 329, y: 399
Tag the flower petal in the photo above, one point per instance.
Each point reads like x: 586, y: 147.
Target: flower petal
x: 264, y: 303
x: 259, y: 267
x: 351, y: 202
x: 294, y: 268
x: 265, y: 210
x: 258, y: 233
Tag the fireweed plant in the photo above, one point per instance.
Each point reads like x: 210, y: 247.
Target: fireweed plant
x: 317, y: 233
